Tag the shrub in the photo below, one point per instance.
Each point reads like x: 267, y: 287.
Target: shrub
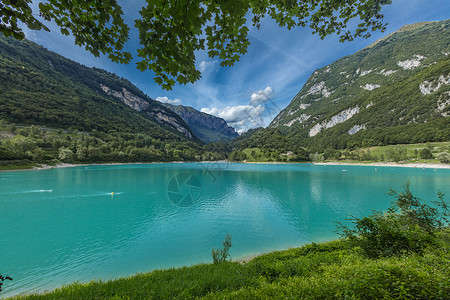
x: 409, y: 225
x: 65, y: 154
x: 444, y: 158
x: 221, y: 255
x: 396, y: 154
x: 331, y: 154
x: 426, y: 154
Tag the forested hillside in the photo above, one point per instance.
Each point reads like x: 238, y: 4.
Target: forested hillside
x: 395, y: 91
x: 117, y: 121
x: 43, y: 88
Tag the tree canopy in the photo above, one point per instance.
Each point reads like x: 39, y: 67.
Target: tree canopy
x: 171, y: 31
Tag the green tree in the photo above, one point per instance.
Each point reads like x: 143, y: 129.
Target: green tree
x: 13, y: 11
x: 346, y: 154
x: 5, y: 153
x: 331, y: 154
x: 426, y: 154
x: 22, y: 132
x: 171, y: 31
x: 396, y: 154
x: 65, y: 154
x: 34, y: 132
x: 444, y: 158
x: 13, y: 128
x: 82, y: 153
x: 94, y: 153
x: 38, y: 154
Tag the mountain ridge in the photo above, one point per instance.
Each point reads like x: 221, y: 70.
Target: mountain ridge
x: 415, y: 58
x: 206, y: 127
x: 32, y: 71
x: 105, y: 84
x: 86, y: 123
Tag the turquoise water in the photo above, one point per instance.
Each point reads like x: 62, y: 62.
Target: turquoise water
x: 65, y: 225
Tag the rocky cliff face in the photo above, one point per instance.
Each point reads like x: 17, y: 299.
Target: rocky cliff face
x: 206, y: 127
x: 151, y: 108
x: 133, y: 101
x: 337, y: 119
x: 400, y: 80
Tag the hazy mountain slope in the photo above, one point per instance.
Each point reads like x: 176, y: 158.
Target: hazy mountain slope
x: 206, y: 127
x: 397, y: 90
x: 41, y: 87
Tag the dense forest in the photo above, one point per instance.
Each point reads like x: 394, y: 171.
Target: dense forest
x: 43, y: 88
x: 22, y: 146
x: 267, y: 145
x: 54, y: 110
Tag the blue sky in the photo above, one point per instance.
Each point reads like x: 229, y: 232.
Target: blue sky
x: 264, y: 81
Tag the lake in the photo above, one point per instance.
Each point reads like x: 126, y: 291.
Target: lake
x: 101, y: 222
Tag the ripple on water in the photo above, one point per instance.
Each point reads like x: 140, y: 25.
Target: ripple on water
x: 65, y: 225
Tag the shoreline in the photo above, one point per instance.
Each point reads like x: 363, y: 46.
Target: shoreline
x: 371, y: 164
x: 333, y: 163
x: 388, y: 164
x: 67, y: 165
x: 241, y: 259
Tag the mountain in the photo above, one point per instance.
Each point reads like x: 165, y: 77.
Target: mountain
x: 206, y: 127
x: 397, y: 90
x: 43, y: 88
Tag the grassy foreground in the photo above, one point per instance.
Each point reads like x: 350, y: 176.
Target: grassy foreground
x: 330, y: 270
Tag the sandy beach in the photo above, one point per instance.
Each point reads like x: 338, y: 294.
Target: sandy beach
x: 389, y: 164
x: 375, y: 164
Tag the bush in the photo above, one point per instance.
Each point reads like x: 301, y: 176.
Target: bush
x: 426, y: 154
x: 65, y: 154
x: 331, y: 154
x: 221, y: 255
x: 444, y: 158
x: 408, y: 226
x: 396, y: 154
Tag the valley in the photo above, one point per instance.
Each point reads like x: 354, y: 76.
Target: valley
x: 369, y: 99
x: 224, y: 149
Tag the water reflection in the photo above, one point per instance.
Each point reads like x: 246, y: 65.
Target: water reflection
x: 110, y: 221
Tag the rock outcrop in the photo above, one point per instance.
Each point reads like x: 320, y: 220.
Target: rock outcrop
x: 337, y: 119
x: 151, y: 108
x: 133, y: 101
x: 206, y: 127
x: 428, y: 87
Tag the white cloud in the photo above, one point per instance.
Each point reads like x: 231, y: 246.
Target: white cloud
x: 244, y: 117
x: 30, y: 34
x: 206, y: 64
x: 240, y: 117
x: 261, y: 96
x: 170, y: 101
x: 202, y: 66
